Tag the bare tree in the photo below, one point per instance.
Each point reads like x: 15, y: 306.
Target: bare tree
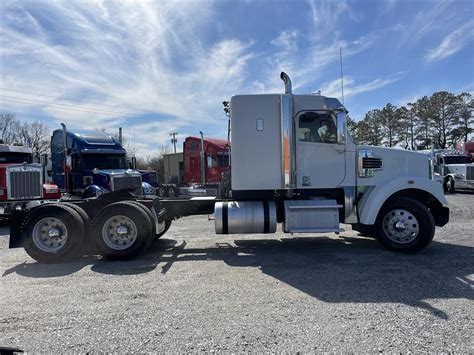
x: 7, y: 128
x: 34, y: 135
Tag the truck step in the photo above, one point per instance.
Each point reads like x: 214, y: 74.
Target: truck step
x: 317, y: 230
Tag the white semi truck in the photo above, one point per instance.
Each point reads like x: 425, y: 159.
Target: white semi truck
x: 293, y: 164
x: 455, y: 169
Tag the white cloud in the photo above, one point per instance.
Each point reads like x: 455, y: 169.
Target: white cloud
x: 351, y: 88
x: 287, y: 40
x: 326, y: 17
x: 119, y: 60
x: 452, y: 43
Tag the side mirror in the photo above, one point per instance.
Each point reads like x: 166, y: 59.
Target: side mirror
x: 341, y: 127
x: 133, y: 163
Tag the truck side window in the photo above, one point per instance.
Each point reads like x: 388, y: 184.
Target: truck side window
x: 76, y: 162
x: 212, y: 162
x: 316, y: 127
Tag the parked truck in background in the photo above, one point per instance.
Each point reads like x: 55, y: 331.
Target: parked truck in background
x: 455, y: 169
x: 23, y: 184
x: 87, y: 164
x: 202, y: 169
x: 466, y: 148
x: 293, y: 163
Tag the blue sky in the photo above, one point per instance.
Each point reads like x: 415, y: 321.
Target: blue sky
x: 164, y: 66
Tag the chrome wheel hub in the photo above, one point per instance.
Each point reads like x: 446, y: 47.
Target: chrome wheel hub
x: 400, y: 226
x: 49, y: 234
x: 119, y: 232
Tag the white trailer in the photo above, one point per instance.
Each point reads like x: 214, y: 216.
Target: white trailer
x: 293, y: 164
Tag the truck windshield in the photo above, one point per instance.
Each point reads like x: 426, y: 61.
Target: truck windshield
x: 15, y: 158
x: 104, y: 161
x: 461, y: 159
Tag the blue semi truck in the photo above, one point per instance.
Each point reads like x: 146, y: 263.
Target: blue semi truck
x: 87, y: 164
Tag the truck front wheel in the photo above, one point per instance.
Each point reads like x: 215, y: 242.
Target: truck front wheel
x: 121, y: 231
x: 449, y: 185
x: 405, y: 225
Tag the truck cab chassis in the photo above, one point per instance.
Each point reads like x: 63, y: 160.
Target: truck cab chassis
x: 292, y: 163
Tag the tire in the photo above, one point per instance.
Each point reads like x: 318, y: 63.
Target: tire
x: 405, y: 225
x: 162, y: 191
x: 163, y: 232
x: 121, y: 231
x: 82, y: 213
x: 88, y: 247
x: 151, y: 218
x: 449, y: 185
x: 54, y: 233
x: 171, y: 191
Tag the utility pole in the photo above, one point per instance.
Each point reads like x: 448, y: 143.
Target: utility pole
x: 174, y: 140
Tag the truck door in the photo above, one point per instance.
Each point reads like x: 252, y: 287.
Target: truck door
x: 318, y: 163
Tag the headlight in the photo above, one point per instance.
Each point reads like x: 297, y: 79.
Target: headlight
x: 459, y: 176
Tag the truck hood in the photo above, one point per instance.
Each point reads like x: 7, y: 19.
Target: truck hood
x: 396, y: 163
x: 456, y: 168
x: 117, y: 172
x: 6, y: 165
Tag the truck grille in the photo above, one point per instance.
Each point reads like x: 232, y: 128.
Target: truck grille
x: 470, y: 173
x: 129, y: 183
x: 371, y: 163
x: 25, y: 184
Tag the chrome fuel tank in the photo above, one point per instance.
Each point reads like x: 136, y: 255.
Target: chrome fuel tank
x: 245, y: 217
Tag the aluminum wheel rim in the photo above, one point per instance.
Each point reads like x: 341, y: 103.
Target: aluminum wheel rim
x: 49, y: 234
x: 119, y: 232
x: 400, y: 226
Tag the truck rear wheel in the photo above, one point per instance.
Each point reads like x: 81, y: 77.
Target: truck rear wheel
x: 53, y: 233
x: 167, y: 225
x: 121, y: 231
x: 151, y: 218
x: 405, y: 225
x: 172, y: 191
x: 162, y: 191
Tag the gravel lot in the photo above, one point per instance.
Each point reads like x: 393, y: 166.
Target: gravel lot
x: 195, y: 291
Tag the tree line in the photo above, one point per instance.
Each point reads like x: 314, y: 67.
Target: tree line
x: 439, y: 121
x: 35, y: 135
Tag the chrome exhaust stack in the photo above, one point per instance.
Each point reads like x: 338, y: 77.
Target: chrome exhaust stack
x: 202, y: 155
x: 67, y: 185
x: 286, y: 79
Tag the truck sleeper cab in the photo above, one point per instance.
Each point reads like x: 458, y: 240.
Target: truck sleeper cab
x: 293, y: 163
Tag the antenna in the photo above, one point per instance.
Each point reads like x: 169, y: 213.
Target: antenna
x: 342, y: 77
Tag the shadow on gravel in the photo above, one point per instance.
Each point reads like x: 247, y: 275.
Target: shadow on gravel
x: 141, y: 265
x: 349, y: 269
x: 346, y: 269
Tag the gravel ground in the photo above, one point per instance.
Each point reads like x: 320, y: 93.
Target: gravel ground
x: 195, y: 291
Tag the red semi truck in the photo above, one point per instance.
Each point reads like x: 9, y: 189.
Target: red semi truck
x: 201, y: 169
x: 22, y: 182
x: 466, y: 148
